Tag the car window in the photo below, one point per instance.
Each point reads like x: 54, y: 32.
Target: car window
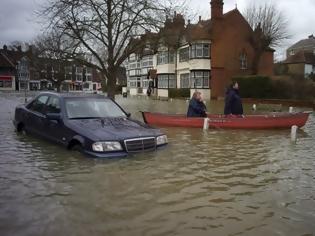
x: 38, y: 104
x: 92, y: 107
x: 53, y: 105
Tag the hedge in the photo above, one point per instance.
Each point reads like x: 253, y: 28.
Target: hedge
x: 265, y: 87
x: 255, y: 86
x: 179, y: 93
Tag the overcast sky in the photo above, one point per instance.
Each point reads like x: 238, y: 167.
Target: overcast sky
x: 18, y: 22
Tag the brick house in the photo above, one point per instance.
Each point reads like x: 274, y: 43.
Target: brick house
x: 301, y: 58
x: 202, y: 56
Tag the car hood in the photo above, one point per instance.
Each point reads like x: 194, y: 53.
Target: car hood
x: 112, y: 128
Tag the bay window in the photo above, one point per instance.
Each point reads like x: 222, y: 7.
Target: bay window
x: 200, y: 79
x: 184, y: 81
x: 166, y: 81
x: 200, y: 50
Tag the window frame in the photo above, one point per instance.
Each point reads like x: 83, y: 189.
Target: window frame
x: 204, y: 78
x: 43, y: 111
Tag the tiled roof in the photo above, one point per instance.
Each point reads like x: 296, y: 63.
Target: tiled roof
x: 301, y: 57
x: 5, y: 61
x: 304, y: 43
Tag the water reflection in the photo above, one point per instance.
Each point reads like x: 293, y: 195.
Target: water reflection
x: 217, y: 182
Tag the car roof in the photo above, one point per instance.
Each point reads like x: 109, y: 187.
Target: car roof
x: 74, y: 95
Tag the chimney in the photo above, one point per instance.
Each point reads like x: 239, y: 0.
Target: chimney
x: 199, y: 18
x: 216, y: 9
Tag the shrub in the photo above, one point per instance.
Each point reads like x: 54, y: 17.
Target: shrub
x: 254, y: 86
x: 296, y: 87
x: 179, y: 93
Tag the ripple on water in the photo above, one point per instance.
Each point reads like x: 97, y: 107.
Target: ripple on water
x: 218, y: 182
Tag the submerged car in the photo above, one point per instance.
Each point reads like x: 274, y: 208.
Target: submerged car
x: 92, y: 124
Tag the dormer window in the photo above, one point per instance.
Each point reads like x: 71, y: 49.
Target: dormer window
x: 243, y: 61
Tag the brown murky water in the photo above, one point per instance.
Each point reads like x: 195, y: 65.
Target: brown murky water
x: 204, y: 183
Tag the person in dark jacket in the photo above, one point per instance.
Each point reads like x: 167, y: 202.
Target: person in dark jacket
x: 233, y: 102
x: 196, y: 106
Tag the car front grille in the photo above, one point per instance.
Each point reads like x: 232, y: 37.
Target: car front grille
x: 140, y: 144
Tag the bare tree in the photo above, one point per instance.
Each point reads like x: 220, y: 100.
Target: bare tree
x: 270, y: 29
x: 50, y: 57
x: 108, y: 30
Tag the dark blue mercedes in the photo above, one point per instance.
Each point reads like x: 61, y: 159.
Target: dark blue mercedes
x: 92, y: 124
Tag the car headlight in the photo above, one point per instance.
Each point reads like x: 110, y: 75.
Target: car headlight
x: 106, y: 146
x: 160, y: 140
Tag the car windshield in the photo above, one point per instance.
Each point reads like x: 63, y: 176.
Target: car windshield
x: 85, y: 108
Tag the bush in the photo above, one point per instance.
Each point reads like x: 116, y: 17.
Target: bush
x: 296, y: 87
x: 254, y: 86
x: 179, y: 93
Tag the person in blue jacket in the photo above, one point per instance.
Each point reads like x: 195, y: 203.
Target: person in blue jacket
x: 196, y: 106
x: 233, y: 102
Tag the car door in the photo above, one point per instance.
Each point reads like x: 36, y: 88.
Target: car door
x: 54, y: 128
x: 35, y: 117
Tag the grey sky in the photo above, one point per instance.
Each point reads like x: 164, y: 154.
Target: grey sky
x: 18, y: 23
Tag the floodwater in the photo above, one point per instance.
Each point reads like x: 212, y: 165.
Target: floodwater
x: 216, y: 182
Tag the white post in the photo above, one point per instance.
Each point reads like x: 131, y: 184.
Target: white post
x: 294, y: 129
x: 206, y: 124
x: 291, y: 109
x: 254, y: 107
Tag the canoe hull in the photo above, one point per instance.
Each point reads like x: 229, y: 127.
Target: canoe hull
x: 270, y: 121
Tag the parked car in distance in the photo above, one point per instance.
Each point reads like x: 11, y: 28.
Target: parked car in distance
x: 92, y: 124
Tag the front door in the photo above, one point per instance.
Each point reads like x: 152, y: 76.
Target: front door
x: 54, y: 128
x: 36, y: 116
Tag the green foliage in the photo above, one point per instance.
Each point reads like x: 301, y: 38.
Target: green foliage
x: 264, y: 87
x: 254, y: 86
x: 179, y: 93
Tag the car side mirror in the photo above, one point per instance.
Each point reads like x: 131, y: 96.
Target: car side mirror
x: 53, y: 116
x: 128, y: 114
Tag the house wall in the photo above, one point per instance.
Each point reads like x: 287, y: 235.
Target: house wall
x: 166, y: 69
x: 296, y: 69
x: 231, y: 37
x: 162, y: 93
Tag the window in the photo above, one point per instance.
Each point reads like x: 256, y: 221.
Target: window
x: 243, y: 61
x: 68, y: 70
x: 5, y: 83
x: 165, y: 57
x: 133, y: 82
x: 200, y: 79
x: 184, y: 54
x: 166, y: 81
x: 23, y: 85
x: 53, y: 105
x: 200, y: 50
x: 171, y: 81
x: 147, y: 61
x: 163, y: 81
x: 38, y: 104
x: 88, y: 77
x: 184, y: 81
x: 133, y: 65
x: 77, y: 108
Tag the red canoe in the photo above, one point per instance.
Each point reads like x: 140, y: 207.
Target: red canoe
x: 269, y: 121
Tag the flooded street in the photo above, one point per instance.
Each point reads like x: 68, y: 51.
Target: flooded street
x: 219, y: 182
